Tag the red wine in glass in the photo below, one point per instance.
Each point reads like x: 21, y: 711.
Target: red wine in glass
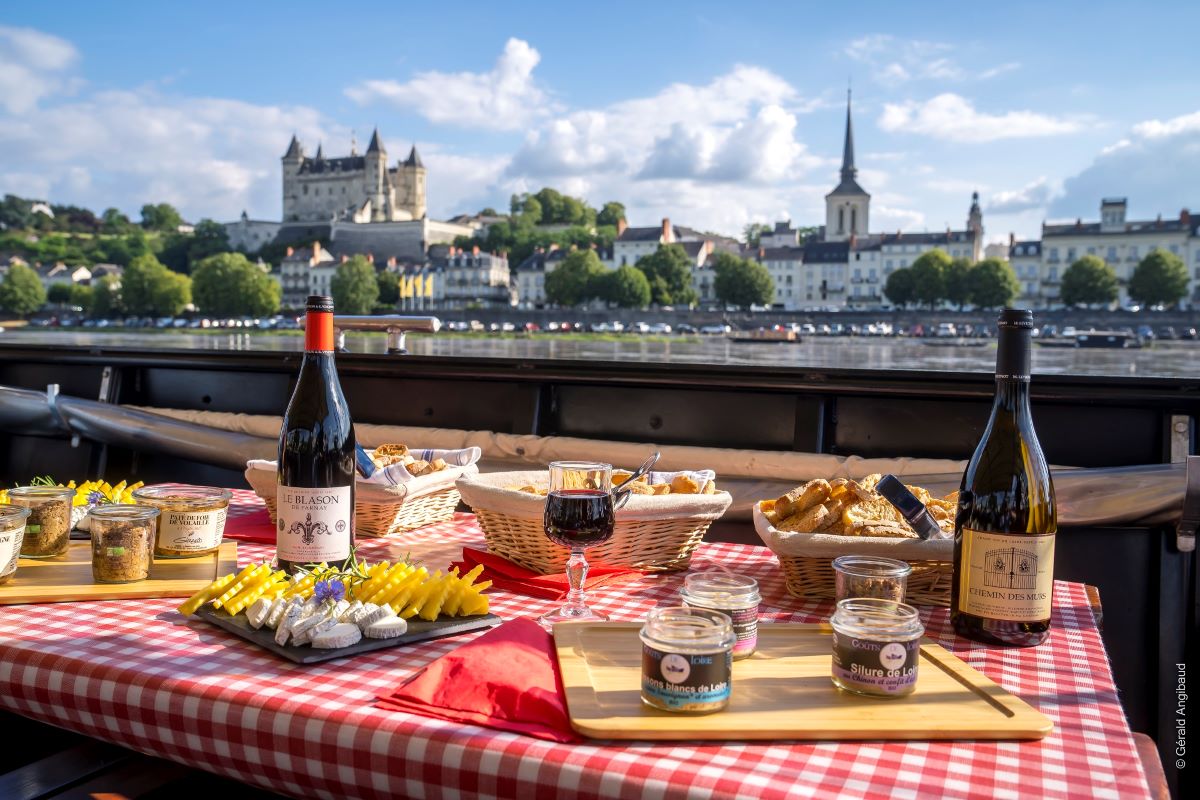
x: 579, y: 518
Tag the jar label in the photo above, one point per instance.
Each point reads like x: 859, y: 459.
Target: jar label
x: 10, y: 548
x: 878, y: 667
x: 313, y: 524
x: 745, y: 625
x: 1006, y: 576
x: 190, y: 531
x: 686, y: 681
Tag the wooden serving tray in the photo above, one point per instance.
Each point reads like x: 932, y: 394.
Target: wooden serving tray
x: 419, y: 630
x: 783, y: 691
x: 69, y: 577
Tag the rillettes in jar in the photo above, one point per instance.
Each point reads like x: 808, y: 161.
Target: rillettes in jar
x: 48, y: 528
x: 876, y: 646
x: 687, y: 659
x: 736, y: 596
x: 191, y: 521
x: 12, y: 532
x: 122, y: 541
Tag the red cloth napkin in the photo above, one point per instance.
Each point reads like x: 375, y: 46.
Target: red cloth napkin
x: 253, y: 527
x: 513, y: 578
x: 507, y: 679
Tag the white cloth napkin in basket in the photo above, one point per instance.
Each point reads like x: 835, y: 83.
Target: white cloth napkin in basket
x: 394, y: 481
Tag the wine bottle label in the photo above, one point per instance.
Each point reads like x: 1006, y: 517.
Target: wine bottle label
x: 188, y: 531
x: 313, y: 524
x: 1006, y: 576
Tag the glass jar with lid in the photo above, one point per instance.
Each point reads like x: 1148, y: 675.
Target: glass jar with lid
x: 736, y: 596
x: 191, y: 521
x: 12, y: 532
x: 122, y: 542
x: 876, y: 646
x: 687, y: 659
x: 48, y: 528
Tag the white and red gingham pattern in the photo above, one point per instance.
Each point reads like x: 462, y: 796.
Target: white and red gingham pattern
x: 137, y: 673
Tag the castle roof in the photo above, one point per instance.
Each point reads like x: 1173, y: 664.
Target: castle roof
x: 826, y: 252
x: 294, y: 150
x: 414, y: 158
x: 1174, y: 225
x: 939, y: 237
x: 312, y: 166
x: 376, y: 146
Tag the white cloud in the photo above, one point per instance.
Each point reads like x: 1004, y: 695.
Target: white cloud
x: 894, y: 61
x: 32, y: 66
x: 208, y: 156
x: 1156, y: 165
x: 502, y: 99
x: 1034, y: 195
x: 954, y: 186
x: 890, y: 218
x: 952, y: 117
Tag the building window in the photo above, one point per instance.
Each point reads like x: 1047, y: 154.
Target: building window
x: 1175, y: 249
x: 1133, y: 251
x: 841, y: 220
x: 1071, y: 254
x: 1112, y: 254
x: 854, y: 219
x: 889, y: 264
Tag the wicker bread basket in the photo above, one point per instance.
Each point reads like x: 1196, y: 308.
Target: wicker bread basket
x: 380, y: 510
x: 652, y: 534
x: 807, y: 561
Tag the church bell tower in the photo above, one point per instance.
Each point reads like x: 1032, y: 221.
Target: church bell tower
x: 847, y: 207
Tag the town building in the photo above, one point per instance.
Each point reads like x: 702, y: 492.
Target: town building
x: 845, y: 265
x: 470, y: 277
x: 250, y: 235
x: 50, y: 274
x: 304, y: 271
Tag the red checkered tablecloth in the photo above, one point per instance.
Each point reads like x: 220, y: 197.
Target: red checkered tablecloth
x: 137, y: 673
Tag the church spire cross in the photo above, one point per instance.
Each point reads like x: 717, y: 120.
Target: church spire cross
x: 848, y: 168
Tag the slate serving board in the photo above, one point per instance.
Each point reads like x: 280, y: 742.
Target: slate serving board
x: 419, y: 630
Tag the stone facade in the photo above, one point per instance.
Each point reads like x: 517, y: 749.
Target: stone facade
x: 251, y: 234
x: 363, y: 188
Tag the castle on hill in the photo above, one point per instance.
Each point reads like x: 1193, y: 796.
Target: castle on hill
x: 359, y: 188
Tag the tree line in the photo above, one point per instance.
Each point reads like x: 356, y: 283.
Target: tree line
x: 663, y: 278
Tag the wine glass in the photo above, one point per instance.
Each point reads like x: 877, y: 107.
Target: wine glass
x: 580, y: 513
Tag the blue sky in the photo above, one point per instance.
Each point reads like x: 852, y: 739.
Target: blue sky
x: 714, y: 114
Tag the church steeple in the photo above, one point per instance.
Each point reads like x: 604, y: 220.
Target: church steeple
x: 848, y: 169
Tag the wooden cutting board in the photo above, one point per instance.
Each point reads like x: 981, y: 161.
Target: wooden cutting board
x: 784, y: 691
x: 69, y: 577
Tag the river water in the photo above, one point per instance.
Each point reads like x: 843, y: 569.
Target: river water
x: 1163, y: 359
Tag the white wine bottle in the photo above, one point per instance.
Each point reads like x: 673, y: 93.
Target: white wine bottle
x: 1006, y: 521
x: 315, y: 493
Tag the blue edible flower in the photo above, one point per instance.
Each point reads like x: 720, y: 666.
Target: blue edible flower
x: 330, y: 590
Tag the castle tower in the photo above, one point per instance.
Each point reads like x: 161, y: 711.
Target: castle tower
x: 376, y: 179
x: 291, y: 162
x: 411, y: 189
x: 847, y: 206
x: 975, y: 224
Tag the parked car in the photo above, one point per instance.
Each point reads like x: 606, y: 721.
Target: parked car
x: 1145, y: 332
x: 639, y: 327
x: 1187, y: 333
x: 808, y: 329
x: 1069, y: 332
x: 531, y: 327
x: 659, y: 328
x: 715, y: 330
x: 1167, y: 332
x: 683, y: 327
x: 945, y: 330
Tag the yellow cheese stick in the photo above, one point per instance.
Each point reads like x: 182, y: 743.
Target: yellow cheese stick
x: 433, y: 604
x: 238, y: 585
x: 405, y: 591
x: 298, y: 588
x: 366, y: 590
x: 420, y: 595
x: 397, y: 585
x: 207, y: 593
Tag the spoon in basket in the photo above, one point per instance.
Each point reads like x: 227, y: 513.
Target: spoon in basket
x: 620, y: 492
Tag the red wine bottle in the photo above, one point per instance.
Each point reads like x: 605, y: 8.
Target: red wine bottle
x: 1006, y: 521
x: 315, y: 493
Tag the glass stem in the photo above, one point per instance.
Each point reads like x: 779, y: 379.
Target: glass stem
x: 577, y: 568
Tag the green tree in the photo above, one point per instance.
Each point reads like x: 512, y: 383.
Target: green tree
x: 174, y: 251
x: 114, y: 223
x: 1160, y: 277
x: 752, y: 233
x: 105, y: 297
x: 354, y: 286
x: 208, y: 239
x: 625, y: 286
x: 669, y: 270
x: 575, y: 280
x: 899, y: 288
x: 81, y: 296
x: 160, y: 217
x: 742, y: 282
x: 389, y: 288
x: 1089, y: 281
x: 993, y: 284
x: 612, y: 213
x: 228, y: 284
x: 15, y: 213
x: 59, y: 293
x: 958, y: 282
x: 149, y: 288
x: 929, y: 277
x: 21, y: 291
